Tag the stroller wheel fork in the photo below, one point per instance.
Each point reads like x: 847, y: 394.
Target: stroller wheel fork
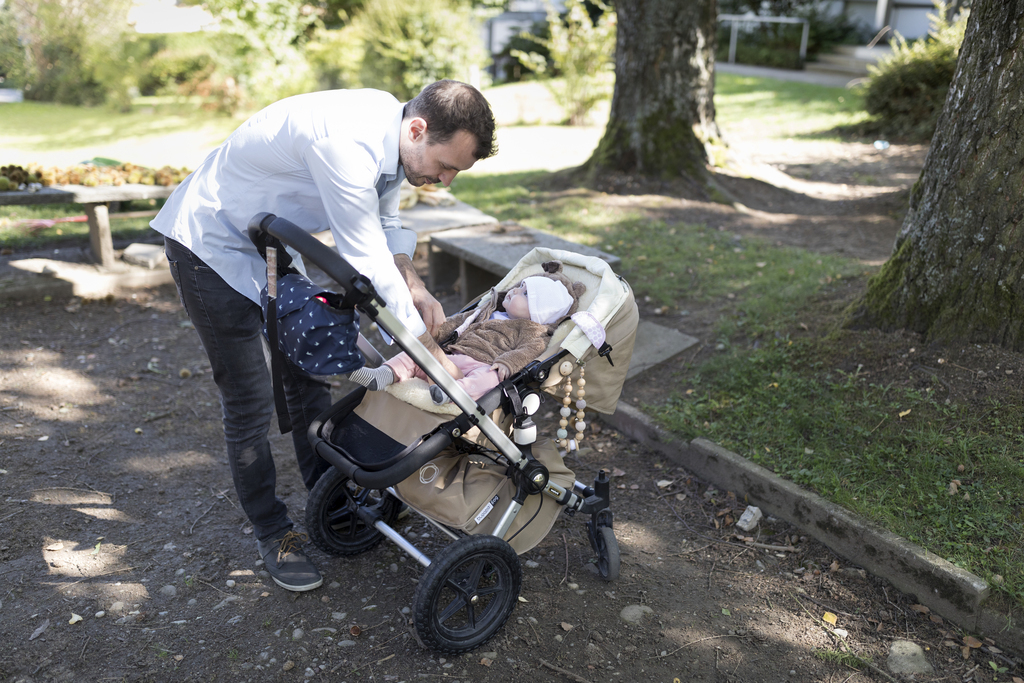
x: 599, y: 529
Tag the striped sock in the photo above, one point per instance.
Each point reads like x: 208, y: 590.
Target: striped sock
x: 374, y: 379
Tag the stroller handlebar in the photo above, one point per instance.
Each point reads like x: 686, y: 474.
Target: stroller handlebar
x: 328, y: 260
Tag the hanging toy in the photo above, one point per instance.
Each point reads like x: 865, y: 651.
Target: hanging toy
x: 563, y: 432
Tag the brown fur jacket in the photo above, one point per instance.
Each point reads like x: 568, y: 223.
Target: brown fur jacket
x: 512, y: 343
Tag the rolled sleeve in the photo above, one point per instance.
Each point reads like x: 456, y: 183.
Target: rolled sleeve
x: 345, y: 175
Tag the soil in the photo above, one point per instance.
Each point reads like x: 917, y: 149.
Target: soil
x: 118, y: 506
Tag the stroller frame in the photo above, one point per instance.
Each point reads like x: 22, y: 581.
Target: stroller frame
x: 471, y: 587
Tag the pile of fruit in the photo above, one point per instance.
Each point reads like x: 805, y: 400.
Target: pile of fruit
x: 92, y: 175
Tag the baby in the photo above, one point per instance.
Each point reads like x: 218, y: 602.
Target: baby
x: 492, y: 342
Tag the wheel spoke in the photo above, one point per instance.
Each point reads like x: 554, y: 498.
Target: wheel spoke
x: 453, y: 608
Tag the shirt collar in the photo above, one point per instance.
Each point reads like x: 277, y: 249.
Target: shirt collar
x: 391, y: 138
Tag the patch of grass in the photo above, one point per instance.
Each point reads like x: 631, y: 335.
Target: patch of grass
x: 670, y: 264
x: 891, y: 454
x: 843, y: 658
x: 17, y: 233
x: 791, y: 108
x: 32, y: 127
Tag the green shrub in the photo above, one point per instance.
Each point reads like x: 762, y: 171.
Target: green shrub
x: 408, y: 44
x: 13, y: 63
x: 907, y: 90
x: 582, y: 50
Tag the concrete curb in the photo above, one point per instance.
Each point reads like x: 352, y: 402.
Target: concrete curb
x: 953, y: 593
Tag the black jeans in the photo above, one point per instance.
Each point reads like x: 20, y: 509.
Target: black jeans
x: 230, y: 328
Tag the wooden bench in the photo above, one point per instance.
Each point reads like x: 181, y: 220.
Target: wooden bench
x: 475, y: 259
x: 95, y: 201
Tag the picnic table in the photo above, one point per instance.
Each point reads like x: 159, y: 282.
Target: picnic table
x: 96, y: 201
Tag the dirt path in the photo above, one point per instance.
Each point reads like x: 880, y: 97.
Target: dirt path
x: 117, y: 506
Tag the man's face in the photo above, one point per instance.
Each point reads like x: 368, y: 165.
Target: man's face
x: 426, y: 164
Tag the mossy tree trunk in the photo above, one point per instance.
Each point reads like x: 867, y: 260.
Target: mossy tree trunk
x: 662, y: 111
x: 957, y: 269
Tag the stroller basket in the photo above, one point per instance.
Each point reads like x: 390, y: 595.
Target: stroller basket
x: 476, y: 469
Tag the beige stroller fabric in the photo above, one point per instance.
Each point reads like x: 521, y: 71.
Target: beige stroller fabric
x: 469, y: 492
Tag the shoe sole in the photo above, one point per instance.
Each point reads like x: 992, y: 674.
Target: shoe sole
x: 298, y: 589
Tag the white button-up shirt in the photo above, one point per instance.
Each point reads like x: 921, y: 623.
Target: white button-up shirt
x: 323, y: 160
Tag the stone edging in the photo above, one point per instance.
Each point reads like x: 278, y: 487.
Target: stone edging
x: 954, y: 593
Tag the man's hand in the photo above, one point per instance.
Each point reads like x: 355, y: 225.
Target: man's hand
x: 449, y: 366
x: 430, y: 310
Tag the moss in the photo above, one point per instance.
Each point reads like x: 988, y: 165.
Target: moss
x: 877, y: 308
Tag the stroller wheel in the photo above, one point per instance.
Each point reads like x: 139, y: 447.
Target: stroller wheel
x: 331, y: 514
x: 608, y: 556
x: 467, y: 594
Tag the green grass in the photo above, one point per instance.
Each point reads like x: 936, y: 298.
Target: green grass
x: 885, y: 452
x: 790, y: 108
x: 16, y: 234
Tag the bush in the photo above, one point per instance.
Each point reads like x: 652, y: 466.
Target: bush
x: 13, y: 63
x: 582, y: 50
x: 907, y: 90
x: 403, y: 45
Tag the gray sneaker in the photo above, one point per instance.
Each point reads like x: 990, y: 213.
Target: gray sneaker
x: 287, y: 565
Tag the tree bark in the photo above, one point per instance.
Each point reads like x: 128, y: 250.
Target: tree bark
x: 663, y: 111
x: 957, y: 268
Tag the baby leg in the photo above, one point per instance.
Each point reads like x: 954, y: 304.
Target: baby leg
x: 478, y: 378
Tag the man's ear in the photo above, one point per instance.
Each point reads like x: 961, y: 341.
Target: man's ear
x: 417, y: 128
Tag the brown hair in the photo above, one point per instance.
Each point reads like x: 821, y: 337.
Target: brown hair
x: 450, y: 106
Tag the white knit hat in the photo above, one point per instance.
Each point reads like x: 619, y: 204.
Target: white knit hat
x: 549, y: 300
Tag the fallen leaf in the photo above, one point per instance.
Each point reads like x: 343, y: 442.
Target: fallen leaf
x: 723, y: 513
x: 829, y: 618
x: 138, y: 430
x: 966, y: 652
x: 936, y: 619
x: 904, y: 413
x: 485, y: 662
x: 726, y: 612
x: 634, y: 487
x: 43, y: 438
x: 665, y: 483
x: 920, y: 608
x: 39, y: 631
x: 75, y: 618
x: 1018, y: 679
x: 948, y: 643
x: 178, y: 658
x: 522, y: 599
x: 953, y: 487
x: 96, y: 550
x: 834, y: 567
x: 566, y: 626
x: 616, y: 472
x: 971, y: 641
x: 54, y: 547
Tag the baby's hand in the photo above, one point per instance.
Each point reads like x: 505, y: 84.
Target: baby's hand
x: 501, y: 370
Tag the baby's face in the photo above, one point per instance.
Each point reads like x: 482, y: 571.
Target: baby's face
x: 516, y: 304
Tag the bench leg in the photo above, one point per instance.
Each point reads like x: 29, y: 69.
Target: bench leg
x: 444, y: 270
x: 99, y: 234
x: 474, y: 280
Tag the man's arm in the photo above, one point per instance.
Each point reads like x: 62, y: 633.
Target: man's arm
x: 430, y: 310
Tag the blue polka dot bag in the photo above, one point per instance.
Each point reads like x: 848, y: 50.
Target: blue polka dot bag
x: 313, y: 331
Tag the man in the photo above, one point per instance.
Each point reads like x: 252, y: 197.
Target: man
x: 326, y: 160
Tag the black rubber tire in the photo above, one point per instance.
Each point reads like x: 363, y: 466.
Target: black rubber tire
x: 331, y: 520
x: 609, y: 559
x: 467, y: 594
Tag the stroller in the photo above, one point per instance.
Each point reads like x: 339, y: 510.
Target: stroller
x: 477, y: 470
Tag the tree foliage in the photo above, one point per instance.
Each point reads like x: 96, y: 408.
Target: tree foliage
x: 581, y: 49
x: 907, y: 89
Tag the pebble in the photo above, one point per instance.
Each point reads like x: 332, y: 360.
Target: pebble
x: 288, y: 666
x: 325, y: 629
x: 347, y: 643
x: 394, y: 567
x: 406, y: 610
x: 235, y: 620
x: 117, y: 606
x: 489, y: 655
x: 906, y: 657
x: 181, y: 570
x: 192, y: 602
x: 334, y: 584
x: 297, y: 634
x: 339, y: 616
x: 169, y: 591
x: 309, y: 672
x: 230, y: 583
x: 225, y: 602
x: 530, y: 564
x: 558, y: 638
x: 101, y: 614
x: 634, y: 614
x: 572, y: 586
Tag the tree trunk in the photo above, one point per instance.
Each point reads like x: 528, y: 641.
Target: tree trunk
x: 662, y: 112
x: 957, y: 269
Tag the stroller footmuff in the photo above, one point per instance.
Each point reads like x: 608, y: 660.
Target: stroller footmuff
x: 476, y: 469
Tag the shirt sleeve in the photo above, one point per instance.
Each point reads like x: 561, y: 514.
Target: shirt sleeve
x: 345, y: 174
x: 400, y: 240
